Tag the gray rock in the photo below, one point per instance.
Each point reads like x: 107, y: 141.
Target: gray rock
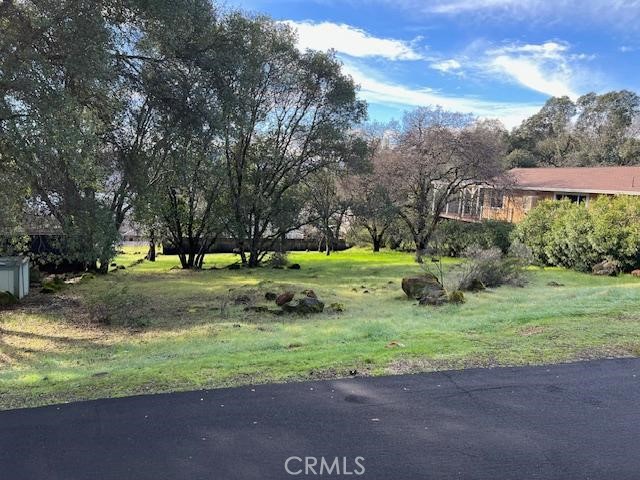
x: 416, y: 287
x: 606, y: 267
x: 304, y: 306
x: 434, y: 297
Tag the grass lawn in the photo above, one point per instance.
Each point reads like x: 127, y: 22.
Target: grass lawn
x: 175, y: 330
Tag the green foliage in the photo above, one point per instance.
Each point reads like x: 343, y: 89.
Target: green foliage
x: 53, y: 286
x: 615, y: 232
x: 457, y: 296
x: 454, y: 237
x: 535, y: 229
x: 593, y: 130
x: 568, y: 242
x: 575, y: 236
x: 489, y: 268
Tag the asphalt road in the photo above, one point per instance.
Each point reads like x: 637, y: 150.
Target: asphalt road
x: 574, y: 421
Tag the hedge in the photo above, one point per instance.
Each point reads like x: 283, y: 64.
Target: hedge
x: 454, y: 237
x: 577, y: 236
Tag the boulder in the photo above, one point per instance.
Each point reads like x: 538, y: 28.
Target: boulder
x: 415, y: 287
x: 434, y: 297
x: 7, y: 298
x: 310, y: 305
x: 271, y: 296
x: 284, y: 298
x: 636, y: 273
x: 304, y: 306
x: 606, y: 268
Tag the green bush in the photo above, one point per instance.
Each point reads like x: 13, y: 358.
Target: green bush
x: 454, y: 237
x: 535, y: 229
x: 568, y: 243
x: 489, y: 268
x: 615, y: 232
x: 575, y: 236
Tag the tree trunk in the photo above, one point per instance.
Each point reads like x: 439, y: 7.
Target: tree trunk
x: 151, y: 255
x: 104, y: 267
x: 254, y: 258
x: 377, y: 242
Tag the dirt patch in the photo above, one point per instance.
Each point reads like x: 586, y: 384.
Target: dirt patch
x: 531, y: 330
x: 403, y: 365
x: 609, y: 351
x: 64, y: 304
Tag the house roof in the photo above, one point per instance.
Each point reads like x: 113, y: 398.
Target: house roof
x: 609, y: 180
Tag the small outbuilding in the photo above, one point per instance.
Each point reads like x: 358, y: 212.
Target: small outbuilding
x: 14, y: 275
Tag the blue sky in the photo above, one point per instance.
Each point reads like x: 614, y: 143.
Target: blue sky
x: 494, y: 58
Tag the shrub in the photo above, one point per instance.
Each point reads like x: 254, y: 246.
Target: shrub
x: 277, y: 260
x: 533, y: 231
x: 456, y: 297
x: 490, y: 268
x: 454, y: 237
x: 574, y: 236
x: 615, y: 232
x: 568, y: 242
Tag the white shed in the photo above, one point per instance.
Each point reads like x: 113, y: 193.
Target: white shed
x: 14, y: 275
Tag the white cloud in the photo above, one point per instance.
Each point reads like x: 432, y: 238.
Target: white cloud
x: 542, y: 67
x: 462, y: 6
x: 351, y: 41
x: 547, y: 49
x: 620, y: 14
x: 446, y: 65
x: 381, y: 91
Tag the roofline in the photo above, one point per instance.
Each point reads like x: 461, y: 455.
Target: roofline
x: 574, y: 190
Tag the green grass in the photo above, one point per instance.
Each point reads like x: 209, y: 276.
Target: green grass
x: 176, y: 330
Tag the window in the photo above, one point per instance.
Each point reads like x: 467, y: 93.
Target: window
x: 573, y: 198
x: 497, y: 199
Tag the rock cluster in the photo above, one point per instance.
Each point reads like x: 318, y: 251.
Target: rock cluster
x: 425, y: 288
x: 305, y: 305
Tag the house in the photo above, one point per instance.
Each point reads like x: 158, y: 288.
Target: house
x: 525, y: 187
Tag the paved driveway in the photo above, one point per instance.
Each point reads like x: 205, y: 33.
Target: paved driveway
x: 574, y: 421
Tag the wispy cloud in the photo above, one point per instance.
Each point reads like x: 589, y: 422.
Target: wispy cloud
x: 446, y: 65
x: 351, y: 41
x: 376, y: 89
x: 620, y: 13
x: 542, y: 67
x: 463, y: 6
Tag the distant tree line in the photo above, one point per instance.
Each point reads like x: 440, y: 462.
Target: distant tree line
x: 594, y: 130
